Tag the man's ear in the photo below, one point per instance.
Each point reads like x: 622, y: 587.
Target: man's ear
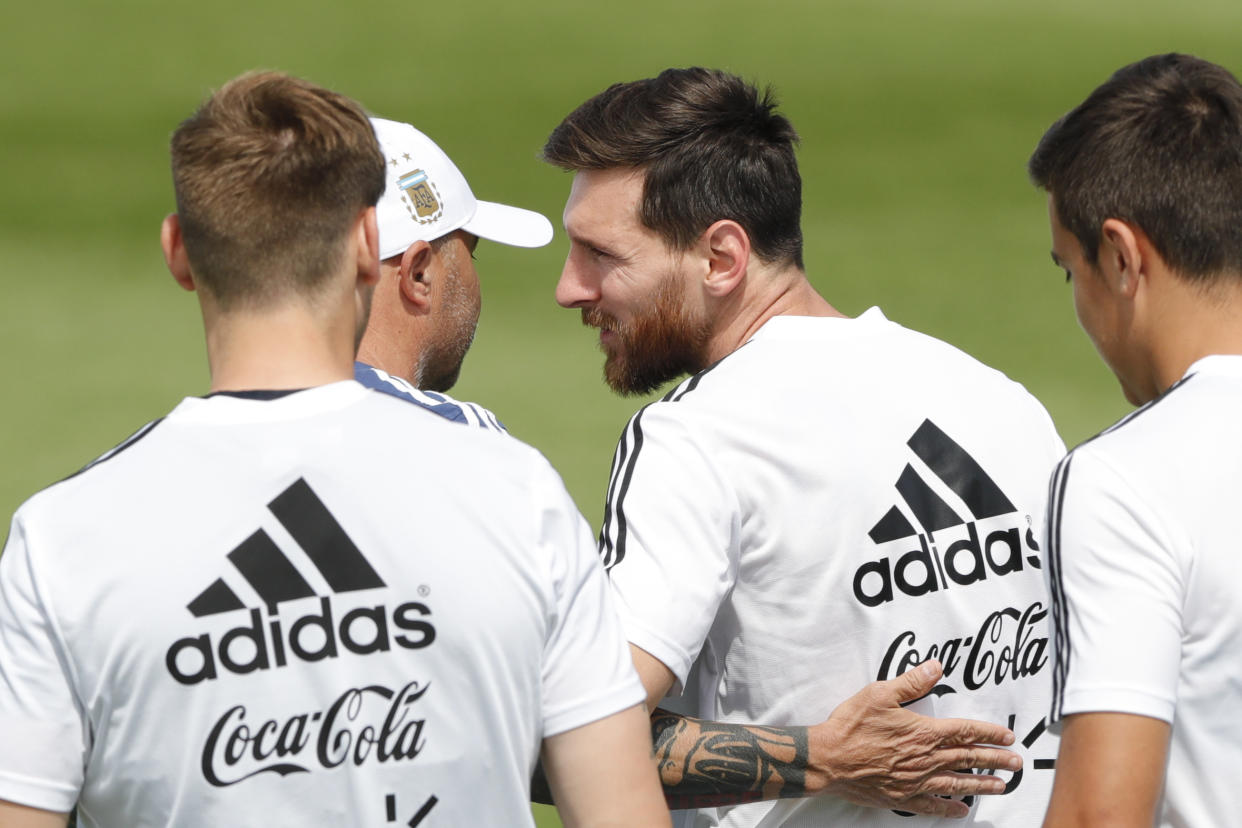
x: 727, y: 248
x: 174, y: 251
x: 1125, y: 255
x: 366, y: 239
x: 413, y: 278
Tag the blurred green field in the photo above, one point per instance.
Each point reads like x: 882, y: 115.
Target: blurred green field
x: 916, y: 121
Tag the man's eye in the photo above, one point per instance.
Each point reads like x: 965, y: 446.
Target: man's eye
x: 1067, y: 277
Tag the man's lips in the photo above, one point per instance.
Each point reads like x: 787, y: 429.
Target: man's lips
x: 593, y: 318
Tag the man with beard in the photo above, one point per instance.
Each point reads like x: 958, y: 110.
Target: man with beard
x: 427, y: 303
x: 826, y: 501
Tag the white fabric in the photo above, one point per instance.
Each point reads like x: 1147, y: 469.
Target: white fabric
x: 1146, y: 579
x: 741, y: 513
x: 489, y: 629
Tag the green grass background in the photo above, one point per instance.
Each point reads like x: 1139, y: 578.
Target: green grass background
x: 916, y: 120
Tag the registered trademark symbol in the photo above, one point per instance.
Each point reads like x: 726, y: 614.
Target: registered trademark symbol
x: 424, y: 590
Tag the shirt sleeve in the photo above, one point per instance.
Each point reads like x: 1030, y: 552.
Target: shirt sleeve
x: 588, y: 673
x: 1116, y: 577
x: 669, y: 538
x: 43, y: 732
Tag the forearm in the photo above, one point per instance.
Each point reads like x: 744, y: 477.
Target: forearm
x: 1110, y: 771
x: 871, y: 751
x: 709, y: 764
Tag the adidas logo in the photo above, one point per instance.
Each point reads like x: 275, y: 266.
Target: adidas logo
x: 312, y: 637
x: 967, y: 558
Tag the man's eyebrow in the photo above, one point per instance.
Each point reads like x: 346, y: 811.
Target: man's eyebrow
x: 585, y: 239
x: 1056, y: 260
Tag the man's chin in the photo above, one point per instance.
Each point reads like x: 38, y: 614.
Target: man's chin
x: 623, y: 380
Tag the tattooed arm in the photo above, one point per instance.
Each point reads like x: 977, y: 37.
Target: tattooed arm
x: 704, y: 764
x: 870, y: 751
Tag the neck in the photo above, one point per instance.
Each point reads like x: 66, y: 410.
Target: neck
x: 1190, y: 322
x: 393, y: 341
x: 765, y: 293
x: 275, y: 350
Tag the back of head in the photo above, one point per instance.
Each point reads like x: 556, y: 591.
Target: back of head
x: 1158, y: 145
x: 270, y: 174
x: 712, y: 147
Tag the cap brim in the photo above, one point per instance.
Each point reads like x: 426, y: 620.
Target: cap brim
x: 509, y: 225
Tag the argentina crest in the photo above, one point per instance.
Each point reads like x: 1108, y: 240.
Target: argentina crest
x: 420, y: 196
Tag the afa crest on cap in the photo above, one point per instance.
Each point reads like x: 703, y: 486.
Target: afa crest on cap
x: 426, y: 197
x: 420, y: 197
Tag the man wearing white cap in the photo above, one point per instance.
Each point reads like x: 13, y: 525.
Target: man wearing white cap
x: 426, y: 305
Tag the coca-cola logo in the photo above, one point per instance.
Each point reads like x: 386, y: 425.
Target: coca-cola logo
x: 364, y: 724
x: 1010, y: 644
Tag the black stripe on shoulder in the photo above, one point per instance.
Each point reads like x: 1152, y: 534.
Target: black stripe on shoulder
x: 1062, y: 651
x: 619, y: 458
x: 1138, y: 412
x: 622, y: 522
x: 113, y: 452
x: 622, y: 472
x: 1060, y: 612
x: 689, y: 385
x: 624, y: 462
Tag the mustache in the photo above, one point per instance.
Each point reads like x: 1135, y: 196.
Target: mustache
x: 596, y: 318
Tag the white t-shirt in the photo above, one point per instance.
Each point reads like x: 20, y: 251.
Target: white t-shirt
x: 1146, y: 576
x: 833, y: 503
x: 325, y: 607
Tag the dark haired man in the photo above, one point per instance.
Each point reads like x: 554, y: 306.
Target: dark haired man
x: 1144, y: 182
x: 826, y: 501
x: 256, y: 609
x: 427, y: 301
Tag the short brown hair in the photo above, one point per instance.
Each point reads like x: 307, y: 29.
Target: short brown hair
x: 1159, y: 144
x: 270, y: 173
x: 711, y: 146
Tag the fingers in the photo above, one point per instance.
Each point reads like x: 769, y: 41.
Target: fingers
x: 962, y: 784
x: 970, y: 731
x: 935, y: 806
x: 986, y: 758
x: 914, y: 684
x: 931, y: 798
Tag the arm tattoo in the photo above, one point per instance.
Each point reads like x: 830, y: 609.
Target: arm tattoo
x: 707, y: 764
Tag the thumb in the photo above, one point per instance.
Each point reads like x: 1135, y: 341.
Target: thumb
x: 917, y: 683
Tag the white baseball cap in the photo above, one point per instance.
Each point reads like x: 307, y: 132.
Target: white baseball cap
x: 426, y: 197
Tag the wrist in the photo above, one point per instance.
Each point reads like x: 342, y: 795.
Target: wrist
x: 822, y: 775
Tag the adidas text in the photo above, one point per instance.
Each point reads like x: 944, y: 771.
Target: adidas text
x: 313, y: 637
x: 966, y: 560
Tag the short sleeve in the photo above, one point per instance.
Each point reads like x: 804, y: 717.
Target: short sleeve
x: 42, y: 731
x: 1116, y: 581
x: 588, y: 673
x: 669, y: 538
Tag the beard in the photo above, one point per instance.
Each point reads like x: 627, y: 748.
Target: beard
x: 440, y: 363
x: 660, y: 343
